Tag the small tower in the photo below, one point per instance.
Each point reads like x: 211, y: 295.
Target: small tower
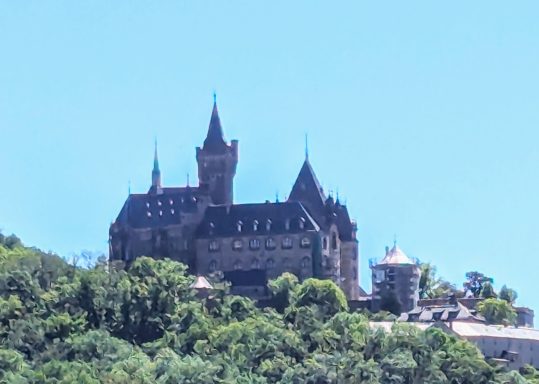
x: 395, y: 282
x: 217, y: 162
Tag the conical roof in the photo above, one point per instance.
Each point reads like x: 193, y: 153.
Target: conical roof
x: 396, y: 256
x: 215, y: 140
x: 307, y: 188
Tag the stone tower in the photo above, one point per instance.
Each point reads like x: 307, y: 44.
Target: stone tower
x: 395, y: 282
x: 217, y: 162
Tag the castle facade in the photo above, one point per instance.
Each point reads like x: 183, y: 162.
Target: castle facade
x: 309, y: 235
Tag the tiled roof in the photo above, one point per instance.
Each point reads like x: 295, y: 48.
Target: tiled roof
x: 396, y: 256
x: 223, y: 220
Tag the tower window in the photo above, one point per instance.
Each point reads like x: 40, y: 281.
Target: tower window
x: 237, y: 245
x: 270, y: 243
x: 254, y: 244
x: 287, y: 243
x: 334, y: 241
x: 325, y: 243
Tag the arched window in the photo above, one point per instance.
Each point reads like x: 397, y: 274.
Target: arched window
x: 325, y: 243
x: 334, y: 240
x: 305, y: 262
x: 254, y: 244
x: 213, y: 266
x: 270, y: 243
x: 287, y: 243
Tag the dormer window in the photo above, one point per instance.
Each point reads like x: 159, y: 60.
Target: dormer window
x: 171, y: 202
x: 255, y: 225
x: 268, y: 225
x: 301, y: 223
x: 239, y: 225
x: 149, y: 214
x: 147, y: 205
x: 160, y: 213
x: 287, y: 224
x: 159, y: 202
x: 211, y: 227
x: 172, y: 211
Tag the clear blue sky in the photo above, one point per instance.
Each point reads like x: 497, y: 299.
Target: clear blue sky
x: 424, y: 115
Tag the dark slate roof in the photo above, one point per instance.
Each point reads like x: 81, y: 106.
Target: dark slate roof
x: 253, y: 277
x: 215, y: 140
x: 153, y: 210
x: 307, y: 189
x: 223, y: 220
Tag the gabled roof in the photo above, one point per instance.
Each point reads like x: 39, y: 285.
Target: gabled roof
x: 223, y: 220
x: 307, y: 189
x: 201, y: 283
x: 215, y: 139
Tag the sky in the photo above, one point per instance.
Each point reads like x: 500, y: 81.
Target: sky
x: 422, y: 115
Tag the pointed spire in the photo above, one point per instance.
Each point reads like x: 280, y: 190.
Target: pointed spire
x: 306, y: 146
x: 156, y: 172
x: 215, y: 139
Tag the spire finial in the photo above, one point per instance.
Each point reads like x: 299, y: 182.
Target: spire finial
x: 214, y: 97
x: 187, y: 178
x: 155, y: 157
x: 129, y: 187
x: 306, y: 146
x: 277, y: 196
x: 395, y: 240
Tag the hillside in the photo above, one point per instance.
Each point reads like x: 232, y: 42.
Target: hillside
x: 64, y: 324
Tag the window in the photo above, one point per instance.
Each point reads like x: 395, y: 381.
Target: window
x: 325, y: 243
x: 213, y: 266
x: 239, y: 226
x: 287, y: 243
x: 254, y: 244
x: 268, y: 225
x: 237, y: 245
x: 172, y: 211
x: 301, y: 223
x: 334, y: 241
x: 355, y: 274
x: 255, y: 225
x: 305, y: 262
x: 159, y: 202
x: 237, y: 265
x: 213, y: 246
x: 305, y: 242
x: 171, y: 202
x: 149, y: 214
x: 287, y: 224
x: 270, y: 243
x: 211, y: 227
x: 255, y: 264
x: 270, y: 264
x: 379, y: 276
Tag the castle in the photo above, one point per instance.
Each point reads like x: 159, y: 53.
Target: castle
x: 310, y: 234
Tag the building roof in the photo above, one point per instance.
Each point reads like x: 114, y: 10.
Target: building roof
x: 466, y: 329
x: 449, y: 312
x: 307, y: 189
x: 158, y: 208
x: 395, y: 256
x: 201, y: 283
x: 223, y: 220
x: 215, y: 139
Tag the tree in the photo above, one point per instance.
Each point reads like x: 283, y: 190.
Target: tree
x: 488, y: 291
x: 282, y: 289
x: 508, y: 294
x: 474, y: 283
x: 497, y: 311
x: 432, y: 286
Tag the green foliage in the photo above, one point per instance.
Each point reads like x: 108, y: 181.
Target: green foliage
x: 497, y: 311
x: 508, y: 294
x: 475, y: 281
x: 65, y: 324
x: 431, y: 286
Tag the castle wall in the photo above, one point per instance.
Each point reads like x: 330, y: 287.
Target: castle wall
x: 349, y: 269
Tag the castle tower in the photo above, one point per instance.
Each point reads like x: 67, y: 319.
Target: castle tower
x: 217, y: 162
x: 395, y: 282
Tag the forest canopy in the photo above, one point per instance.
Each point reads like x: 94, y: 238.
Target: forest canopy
x: 60, y: 323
